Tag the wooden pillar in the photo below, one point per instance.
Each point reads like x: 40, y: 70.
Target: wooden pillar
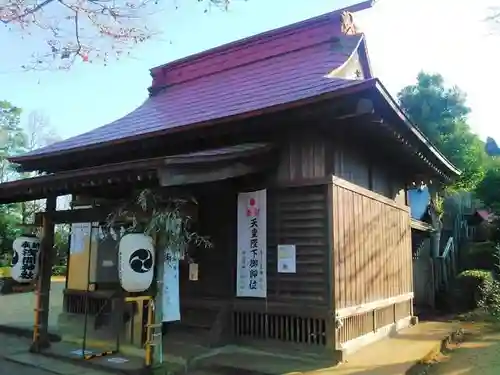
x: 41, y: 329
x: 331, y: 325
x: 158, y: 301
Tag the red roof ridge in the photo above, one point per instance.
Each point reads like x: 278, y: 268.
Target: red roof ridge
x: 254, y: 48
x: 354, y: 42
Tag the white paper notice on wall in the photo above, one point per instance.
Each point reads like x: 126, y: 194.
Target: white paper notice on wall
x: 287, y: 259
x: 79, y: 232
x: 193, y: 271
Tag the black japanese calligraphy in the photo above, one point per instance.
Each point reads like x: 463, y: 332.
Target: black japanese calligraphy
x: 253, y: 224
x: 254, y: 251
x: 29, y: 258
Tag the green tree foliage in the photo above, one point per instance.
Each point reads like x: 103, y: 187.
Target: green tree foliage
x: 488, y: 189
x: 16, y: 139
x: 441, y: 114
x: 11, y: 142
x: 61, y: 244
x: 8, y: 232
x: 12, y: 138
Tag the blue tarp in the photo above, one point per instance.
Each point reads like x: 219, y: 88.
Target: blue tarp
x: 419, y: 200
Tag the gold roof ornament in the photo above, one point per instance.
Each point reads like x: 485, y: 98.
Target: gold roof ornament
x: 347, y: 24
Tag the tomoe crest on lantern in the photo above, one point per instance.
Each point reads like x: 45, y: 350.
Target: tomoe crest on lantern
x: 136, y: 262
x: 26, y: 250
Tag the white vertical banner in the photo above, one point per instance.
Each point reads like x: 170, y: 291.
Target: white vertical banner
x: 170, y: 301
x: 251, y: 277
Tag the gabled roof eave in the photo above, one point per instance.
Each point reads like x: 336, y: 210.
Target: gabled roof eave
x: 422, y: 138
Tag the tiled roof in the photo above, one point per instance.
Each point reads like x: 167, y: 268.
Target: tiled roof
x: 270, y: 70
x: 63, y: 183
x: 484, y: 214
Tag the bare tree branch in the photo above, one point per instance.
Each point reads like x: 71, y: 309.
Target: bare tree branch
x: 38, y: 133
x: 84, y: 30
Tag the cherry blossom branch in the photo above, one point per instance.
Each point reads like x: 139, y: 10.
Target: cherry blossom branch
x: 91, y: 30
x: 5, y: 13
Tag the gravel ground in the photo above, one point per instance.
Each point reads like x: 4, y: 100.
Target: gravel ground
x: 476, y: 355
x: 17, y: 309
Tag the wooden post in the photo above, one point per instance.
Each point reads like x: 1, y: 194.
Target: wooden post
x: 41, y: 328
x: 158, y: 301
x: 331, y: 341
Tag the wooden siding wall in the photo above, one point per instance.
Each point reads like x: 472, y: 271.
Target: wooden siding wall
x: 303, y: 158
x: 369, y: 322
x: 353, y: 167
x: 201, y: 301
x: 299, y: 216
x: 296, y: 308
x: 317, y: 155
x: 368, y: 171
x: 217, y: 221
x: 295, y: 216
x: 372, y: 262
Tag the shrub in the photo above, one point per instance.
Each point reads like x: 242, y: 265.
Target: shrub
x: 482, y: 256
x: 469, y: 287
x: 490, y: 298
x: 59, y: 271
x: 5, y: 271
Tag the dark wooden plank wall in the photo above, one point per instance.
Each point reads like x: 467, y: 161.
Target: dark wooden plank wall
x: 296, y: 307
x: 202, y: 300
x: 299, y: 216
x: 369, y: 171
x: 304, y: 156
x: 372, y: 259
x: 295, y: 216
x: 217, y: 221
x: 319, y: 154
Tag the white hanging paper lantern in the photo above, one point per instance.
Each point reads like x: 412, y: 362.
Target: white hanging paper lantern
x: 25, y: 259
x: 136, y: 262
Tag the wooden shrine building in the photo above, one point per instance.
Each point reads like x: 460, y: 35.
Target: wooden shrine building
x: 297, y: 113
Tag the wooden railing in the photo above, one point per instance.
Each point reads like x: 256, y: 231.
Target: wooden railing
x: 423, y: 247
x: 446, y: 266
x: 281, y: 327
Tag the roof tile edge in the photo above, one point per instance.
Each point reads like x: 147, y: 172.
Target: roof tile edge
x: 174, y: 72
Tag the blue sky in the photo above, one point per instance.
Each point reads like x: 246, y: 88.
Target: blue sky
x: 404, y: 36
